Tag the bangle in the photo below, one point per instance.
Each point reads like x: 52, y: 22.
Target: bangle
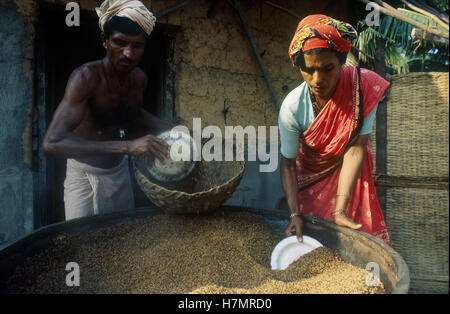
x: 293, y: 215
x: 337, y: 212
x: 346, y: 195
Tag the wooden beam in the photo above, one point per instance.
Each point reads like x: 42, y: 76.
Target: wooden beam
x: 388, y: 10
x: 418, y: 33
x: 381, y: 126
x: 432, y: 183
x: 173, y: 8
x: 426, y: 13
x: 237, y: 6
x: 290, y: 12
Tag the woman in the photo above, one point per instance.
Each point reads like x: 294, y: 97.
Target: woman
x: 325, y: 123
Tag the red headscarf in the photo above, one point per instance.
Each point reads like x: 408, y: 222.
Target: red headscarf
x: 321, y: 31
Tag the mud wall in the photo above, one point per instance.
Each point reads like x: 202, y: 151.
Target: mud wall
x: 217, y: 76
x: 217, y: 79
x: 16, y: 100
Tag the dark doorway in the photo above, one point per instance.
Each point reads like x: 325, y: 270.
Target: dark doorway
x: 59, y: 50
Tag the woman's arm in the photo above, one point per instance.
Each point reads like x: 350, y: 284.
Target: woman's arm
x: 288, y: 174
x: 350, y: 171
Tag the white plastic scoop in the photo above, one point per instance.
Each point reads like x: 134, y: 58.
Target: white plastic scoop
x: 289, y: 250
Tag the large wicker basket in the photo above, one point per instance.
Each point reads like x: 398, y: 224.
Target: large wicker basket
x: 418, y: 223
x: 417, y: 145
x: 417, y: 125
x: 204, y: 190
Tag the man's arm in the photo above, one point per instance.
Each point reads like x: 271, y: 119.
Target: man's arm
x: 145, y: 119
x: 60, y: 141
x: 151, y: 122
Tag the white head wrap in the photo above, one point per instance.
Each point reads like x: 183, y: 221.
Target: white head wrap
x: 133, y: 9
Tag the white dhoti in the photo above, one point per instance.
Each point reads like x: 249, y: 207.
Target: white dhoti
x: 90, y: 191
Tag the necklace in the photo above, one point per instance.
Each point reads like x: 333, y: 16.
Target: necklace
x: 121, y: 130
x: 316, y: 107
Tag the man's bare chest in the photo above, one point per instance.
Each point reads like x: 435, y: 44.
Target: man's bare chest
x: 120, y: 109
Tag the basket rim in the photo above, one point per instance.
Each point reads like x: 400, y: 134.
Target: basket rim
x: 182, y: 193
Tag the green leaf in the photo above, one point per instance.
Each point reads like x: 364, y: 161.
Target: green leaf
x: 402, y: 52
x: 428, y: 21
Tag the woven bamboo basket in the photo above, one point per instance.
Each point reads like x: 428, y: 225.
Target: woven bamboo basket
x: 417, y: 147
x: 204, y: 190
x: 418, y: 225
x: 417, y: 125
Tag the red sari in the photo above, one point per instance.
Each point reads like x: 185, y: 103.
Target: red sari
x: 322, y: 147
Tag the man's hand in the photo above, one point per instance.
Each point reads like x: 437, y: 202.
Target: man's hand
x: 295, y: 226
x: 150, y: 145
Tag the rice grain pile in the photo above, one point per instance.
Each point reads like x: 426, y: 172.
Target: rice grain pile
x: 222, y: 252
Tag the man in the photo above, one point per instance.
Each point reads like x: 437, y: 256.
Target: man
x: 325, y: 123
x: 102, y: 101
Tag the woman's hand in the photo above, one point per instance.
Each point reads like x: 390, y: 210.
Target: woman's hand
x: 295, y: 226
